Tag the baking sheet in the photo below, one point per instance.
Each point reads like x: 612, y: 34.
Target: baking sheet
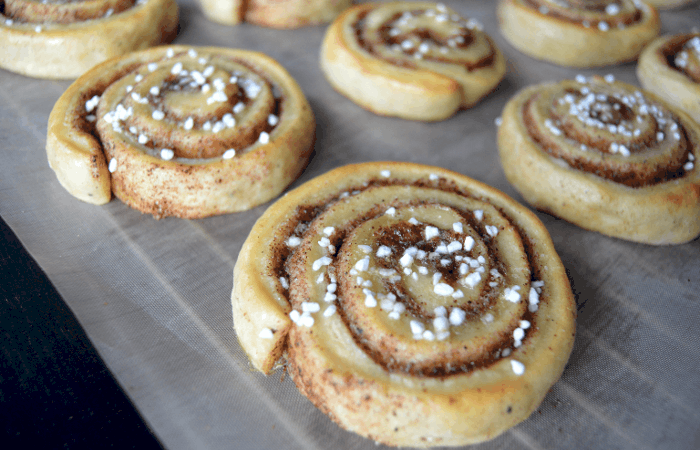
x: 153, y: 296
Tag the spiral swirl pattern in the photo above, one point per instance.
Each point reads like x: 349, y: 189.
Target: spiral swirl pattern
x: 670, y: 68
x: 63, y: 39
x: 382, y: 55
x: 190, y: 105
x: 687, y: 60
x: 600, y: 14
x: 625, y: 144
x: 62, y: 12
x: 579, y: 33
x: 409, y: 277
x: 190, y: 131
x: 402, y: 276
x: 610, y: 129
x: 422, y: 35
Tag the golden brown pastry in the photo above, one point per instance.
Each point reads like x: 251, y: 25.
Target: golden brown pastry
x: 670, y: 68
x: 579, y: 33
x: 605, y: 156
x: 414, y: 60
x: 413, y: 305
x: 63, y: 39
x: 181, y: 131
x: 274, y: 13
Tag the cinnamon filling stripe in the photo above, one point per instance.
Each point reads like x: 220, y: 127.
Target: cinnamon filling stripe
x: 425, y: 43
x: 29, y: 11
x: 187, y: 106
x: 407, y: 255
x: 603, y: 140
x: 613, y: 14
x: 683, y: 55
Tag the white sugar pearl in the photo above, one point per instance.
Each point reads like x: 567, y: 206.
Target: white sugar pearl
x: 469, y: 243
x: 311, y: 307
x: 431, y: 232
x: 265, y: 333
x: 370, y: 301
x: 383, y: 251
x: 167, y: 154
x: 511, y: 295
x: 457, y: 316
x: 362, y: 265
x: 443, y: 289
x: 229, y: 120
x: 323, y: 261
x: 517, y: 366
x: 417, y: 327
x: 329, y: 311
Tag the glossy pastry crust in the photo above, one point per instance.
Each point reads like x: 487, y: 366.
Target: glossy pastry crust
x: 605, y: 156
x: 670, y: 68
x: 62, y: 40
x: 414, y: 60
x: 579, y: 34
x: 181, y: 131
x: 274, y: 13
x: 413, y: 305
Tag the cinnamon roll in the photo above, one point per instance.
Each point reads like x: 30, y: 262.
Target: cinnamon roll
x: 605, y: 156
x: 670, y: 68
x: 414, y: 60
x: 413, y: 305
x: 63, y: 39
x: 579, y: 33
x: 181, y: 131
x: 274, y: 13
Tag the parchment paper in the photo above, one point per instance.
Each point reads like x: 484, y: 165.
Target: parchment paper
x: 153, y: 296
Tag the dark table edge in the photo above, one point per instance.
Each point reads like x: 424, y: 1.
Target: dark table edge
x: 55, y: 390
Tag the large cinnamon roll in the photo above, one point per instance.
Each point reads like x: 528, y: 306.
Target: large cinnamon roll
x: 579, y: 33
x: 413, y: 305
x: 414, y: 60
x: 670, y: 68
x: 62, y: 39
x: 274, y: 13
x: 606, y: 156
x: 181, y: 131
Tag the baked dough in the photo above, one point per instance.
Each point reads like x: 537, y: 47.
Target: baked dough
x: 181, y: 131
x: 413, y: 305
x: 605, y: 156
x: 670, y: 68
x: 274, y: 13
x: 414, y: 60
x: 579, y: 33
x: 62, y: 40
